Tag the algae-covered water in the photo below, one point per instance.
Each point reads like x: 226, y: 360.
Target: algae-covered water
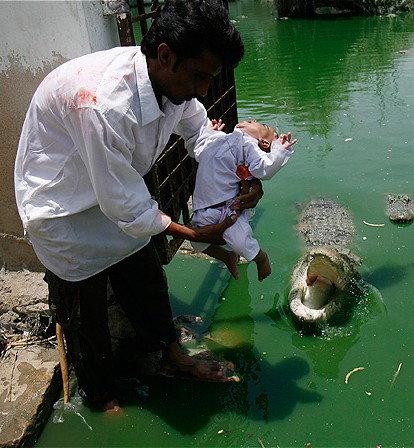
x: 345, y: 89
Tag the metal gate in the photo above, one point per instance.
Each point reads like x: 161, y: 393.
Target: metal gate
x: 171, y: 180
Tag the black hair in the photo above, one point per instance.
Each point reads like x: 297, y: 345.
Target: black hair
x: 190, y: 27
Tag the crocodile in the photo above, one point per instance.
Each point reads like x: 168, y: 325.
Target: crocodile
x: 326, y: 280
x: 323, y: 283
x: 400, y: 208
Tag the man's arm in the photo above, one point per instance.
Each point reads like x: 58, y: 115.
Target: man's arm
x: 212, y: 233
x: 251, y: 193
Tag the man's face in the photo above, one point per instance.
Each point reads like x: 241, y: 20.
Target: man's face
x: 190, y: 78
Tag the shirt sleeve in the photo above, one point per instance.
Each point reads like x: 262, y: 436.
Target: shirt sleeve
x: 120, y: 190
x: 210, y: 140
x: 193, y: 120
x: 264, y: 165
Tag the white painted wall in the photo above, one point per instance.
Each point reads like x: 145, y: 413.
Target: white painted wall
x: 34, y: 32
x: 36, y: 36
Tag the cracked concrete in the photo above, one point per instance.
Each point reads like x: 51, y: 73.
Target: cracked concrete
x: 30, y: 383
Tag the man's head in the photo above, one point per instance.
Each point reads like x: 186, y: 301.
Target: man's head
x: 264, y: 134
x: 187, y: 45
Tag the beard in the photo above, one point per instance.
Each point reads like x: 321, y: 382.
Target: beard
x: 178, y: 100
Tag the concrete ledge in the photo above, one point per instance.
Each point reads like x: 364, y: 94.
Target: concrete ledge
x: 30, y: 383
x: 16, y: 252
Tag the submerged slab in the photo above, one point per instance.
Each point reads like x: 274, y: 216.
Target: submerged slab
x: 30, y: 383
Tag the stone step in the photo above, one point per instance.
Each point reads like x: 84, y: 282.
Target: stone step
x: 30, y: 383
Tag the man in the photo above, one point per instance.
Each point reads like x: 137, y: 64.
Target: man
x: 94, y: 128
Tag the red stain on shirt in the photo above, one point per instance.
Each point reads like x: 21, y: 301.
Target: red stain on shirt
x: 81, y: 99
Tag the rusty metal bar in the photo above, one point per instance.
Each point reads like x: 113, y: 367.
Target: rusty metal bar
x: 125, y: 30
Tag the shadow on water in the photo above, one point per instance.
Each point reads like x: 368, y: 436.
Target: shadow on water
x: 231, y: 336
x: 192, y: 405
x: 388, y: 275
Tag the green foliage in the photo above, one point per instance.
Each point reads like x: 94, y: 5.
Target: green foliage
x: 373, y: 7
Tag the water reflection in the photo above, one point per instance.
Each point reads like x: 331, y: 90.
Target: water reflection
x: 307, y: 74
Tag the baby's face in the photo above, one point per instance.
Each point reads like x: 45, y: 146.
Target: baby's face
x: 257, y: 130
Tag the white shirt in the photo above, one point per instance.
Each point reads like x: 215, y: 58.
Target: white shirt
x: 92, y: 131
x: 219, y: 154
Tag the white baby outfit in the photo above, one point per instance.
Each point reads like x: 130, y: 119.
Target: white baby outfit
x: 218, y: 155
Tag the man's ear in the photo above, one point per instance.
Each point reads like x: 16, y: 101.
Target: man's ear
x: 166, y: 57
x: 264, y: 144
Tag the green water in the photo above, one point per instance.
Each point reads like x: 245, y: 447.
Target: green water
x: 345, y: 89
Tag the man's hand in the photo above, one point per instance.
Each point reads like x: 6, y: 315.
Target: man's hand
x: 212, y: 233
x: 251, y: 193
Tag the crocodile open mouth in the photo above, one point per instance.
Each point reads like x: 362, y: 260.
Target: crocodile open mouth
x: 320, y: 283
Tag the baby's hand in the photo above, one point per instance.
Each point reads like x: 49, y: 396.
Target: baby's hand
x: 284, y: 140
x: 217, y: 125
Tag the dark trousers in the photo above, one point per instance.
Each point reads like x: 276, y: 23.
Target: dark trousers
x: 140, y: 285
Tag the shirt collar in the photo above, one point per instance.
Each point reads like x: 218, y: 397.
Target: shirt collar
x: 150, y: 110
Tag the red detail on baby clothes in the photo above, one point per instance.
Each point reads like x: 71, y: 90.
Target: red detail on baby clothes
x: 243, y: 172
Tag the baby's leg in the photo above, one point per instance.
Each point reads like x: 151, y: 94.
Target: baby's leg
x: 229, y: 258
x: 240, y: 238
x: 263, y: 265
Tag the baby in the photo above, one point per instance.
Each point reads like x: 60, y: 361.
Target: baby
x: 224, y: 160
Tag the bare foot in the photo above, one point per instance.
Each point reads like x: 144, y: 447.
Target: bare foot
x: 229, y: 258
x: 263, y: 265
x: 204, y: 369
x: 111, y: 406
x: 232, y: 264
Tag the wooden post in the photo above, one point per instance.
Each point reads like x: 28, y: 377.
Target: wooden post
x: 63, y: 363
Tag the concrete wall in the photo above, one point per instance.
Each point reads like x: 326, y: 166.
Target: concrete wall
x: 37, y: 36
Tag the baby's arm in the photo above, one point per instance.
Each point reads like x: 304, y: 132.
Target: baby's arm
x: 264, y: 165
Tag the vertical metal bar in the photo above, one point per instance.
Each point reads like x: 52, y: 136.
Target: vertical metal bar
x: 125, y: 28
x: 141, y: 10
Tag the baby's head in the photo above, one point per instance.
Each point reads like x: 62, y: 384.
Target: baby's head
x: 264, y: 134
